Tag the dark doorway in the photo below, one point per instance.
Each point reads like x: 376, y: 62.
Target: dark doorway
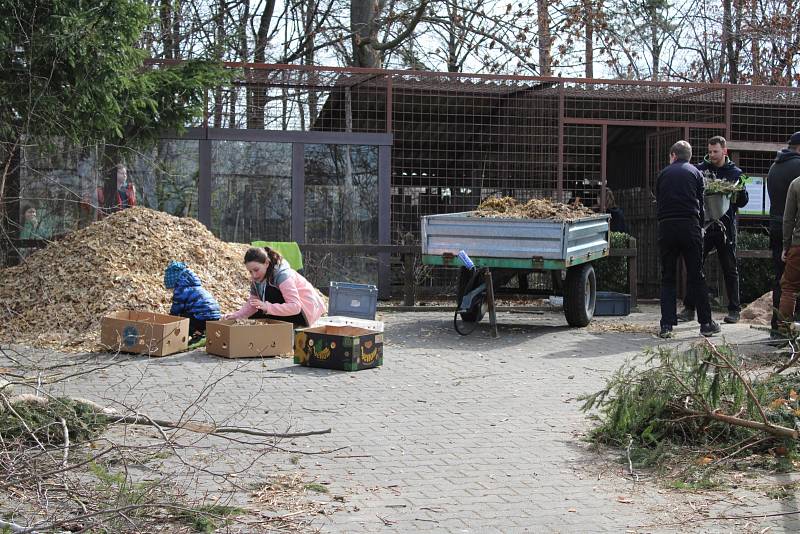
x: 635, y: 155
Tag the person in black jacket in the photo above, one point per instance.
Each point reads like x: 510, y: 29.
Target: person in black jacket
x: 722, y: 234
x: 679, y: 195
x: 617, y: 223
x: 784, y: 169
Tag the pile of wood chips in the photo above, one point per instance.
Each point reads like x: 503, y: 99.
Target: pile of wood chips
x: 759, y: 312
x: 246, y: 322
x: 537, y: 208
x: 58, y: 296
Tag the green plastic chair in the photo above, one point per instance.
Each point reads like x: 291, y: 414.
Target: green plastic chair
x: 288, y: 249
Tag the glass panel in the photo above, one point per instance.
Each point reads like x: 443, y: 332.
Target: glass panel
x: 341, y: 194
x: 341, y: 206
x: 56, y: 190
x: 167, y: 177
x: 61, y: 183
x: 251, y: 191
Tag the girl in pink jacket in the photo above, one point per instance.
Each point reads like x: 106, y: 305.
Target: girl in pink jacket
x: 277, y: 291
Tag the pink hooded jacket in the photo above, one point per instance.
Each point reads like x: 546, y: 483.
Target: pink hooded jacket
x: 299, y: 294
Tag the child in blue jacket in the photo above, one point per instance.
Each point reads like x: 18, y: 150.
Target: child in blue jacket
x: 190, y: 299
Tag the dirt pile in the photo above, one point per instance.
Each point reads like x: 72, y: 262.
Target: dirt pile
x: 57, y: 297
x: 536, y: 208
x: 759, y: 311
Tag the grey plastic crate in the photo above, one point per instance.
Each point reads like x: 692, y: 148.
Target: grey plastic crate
x: 353, y: 300
x: 612, y: 303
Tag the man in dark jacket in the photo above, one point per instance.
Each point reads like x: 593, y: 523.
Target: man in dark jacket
x: 189, y: 298
x: 784, y: 169
x: 722, y: 234
x: 679, y: 194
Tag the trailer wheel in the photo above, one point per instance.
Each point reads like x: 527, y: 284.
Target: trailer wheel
x: 580, y: 292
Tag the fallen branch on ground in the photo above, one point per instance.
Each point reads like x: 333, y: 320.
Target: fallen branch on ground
x: 206, y: 428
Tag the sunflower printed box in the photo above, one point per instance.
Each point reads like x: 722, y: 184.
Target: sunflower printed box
x: 346, y: 348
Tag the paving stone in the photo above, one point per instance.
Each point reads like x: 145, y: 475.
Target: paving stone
x: 456, y: 434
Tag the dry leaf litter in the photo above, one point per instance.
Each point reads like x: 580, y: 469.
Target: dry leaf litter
x: 58, y: 296
x: 537, y: 208
x: 599, y: 327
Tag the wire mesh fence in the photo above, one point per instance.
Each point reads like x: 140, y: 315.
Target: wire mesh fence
x: 460, y: 138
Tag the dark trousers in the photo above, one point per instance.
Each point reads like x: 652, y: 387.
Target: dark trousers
x: 682, y: 238
x: 196, y: 325
x: 776, y: 246
x: 725, y: 245
x: 297, y: 320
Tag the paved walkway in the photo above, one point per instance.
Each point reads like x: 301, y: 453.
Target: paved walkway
x: 452, y: 434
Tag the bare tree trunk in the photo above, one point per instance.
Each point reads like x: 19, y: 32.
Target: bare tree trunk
x: 365, y: 32
x: 165, y: 17
x: 737, y: 36
x: 257, y: 96
x: 309, y: 59
x: 755, y: 44
x: 545, y: 41
x: 656, y: 48
x: 728, y: 56
x: 176, y: 29
x: 219, y: 24
x: 452, y: 37
x: 588, y: 12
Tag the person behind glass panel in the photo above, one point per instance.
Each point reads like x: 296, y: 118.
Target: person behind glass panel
x: 117, y: 193
x: 32, y: 227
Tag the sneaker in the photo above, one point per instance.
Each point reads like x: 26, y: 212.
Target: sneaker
x: 709, y: 329
x: 732, y: 317
x: 197, y: 341
x: 665, y: 332
x: 687, y: 315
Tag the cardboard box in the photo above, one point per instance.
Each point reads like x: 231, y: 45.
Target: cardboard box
x: 341, y: 320
x: 139, y: 332
x: 268, y: 338
x: 346, y: 348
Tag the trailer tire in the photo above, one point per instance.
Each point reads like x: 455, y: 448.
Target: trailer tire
x: 580, y: 294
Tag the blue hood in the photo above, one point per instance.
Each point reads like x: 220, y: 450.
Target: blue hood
x: 188, y: 279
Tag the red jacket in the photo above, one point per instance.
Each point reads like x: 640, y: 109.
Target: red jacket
x: 126, y: 198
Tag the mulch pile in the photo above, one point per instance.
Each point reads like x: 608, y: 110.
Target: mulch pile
x: 537, y: 208
x: 58, y: 296
x: 759, y: 311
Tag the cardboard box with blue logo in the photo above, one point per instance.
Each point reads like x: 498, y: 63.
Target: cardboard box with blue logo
x: 154, y: 334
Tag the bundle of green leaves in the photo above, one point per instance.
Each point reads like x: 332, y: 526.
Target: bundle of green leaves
x: 612, y: 273
x: 715, y: 186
